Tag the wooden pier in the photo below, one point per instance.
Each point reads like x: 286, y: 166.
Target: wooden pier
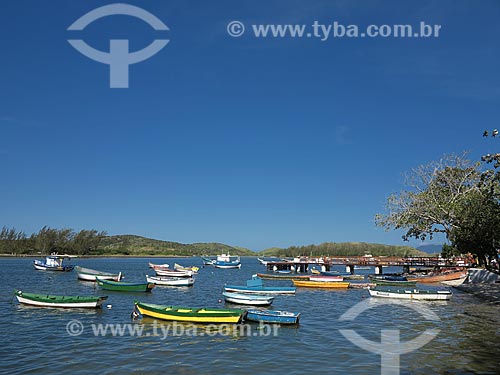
x: 304, y: 264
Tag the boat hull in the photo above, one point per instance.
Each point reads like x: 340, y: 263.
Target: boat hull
x: 247, y: 299
x: 118, y: 286
x: 439, y: 278
x: 59, y: 301
x: 226, y: 265
x: 189, y: 314
x: 272, y: 316
x: 412, y: 294
x: 41, y: 267
x: 325, y: 278
x: 260, y: 290
x: 394, y: 283
x: 173, y: 273
x: 88, y: 274
x: 321, y: 284
x: 171, y: 281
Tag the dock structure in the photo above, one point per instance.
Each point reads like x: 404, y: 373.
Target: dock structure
x: 303, y: 264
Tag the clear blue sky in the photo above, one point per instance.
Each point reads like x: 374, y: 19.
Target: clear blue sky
x: 246, y: 141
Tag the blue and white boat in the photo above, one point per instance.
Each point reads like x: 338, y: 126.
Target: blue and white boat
x: 272, y: 316
x: 208, y: 261
x: 256, y: 286
x: 227, y: 261
x: 248, y: 299
x: 53, y: 263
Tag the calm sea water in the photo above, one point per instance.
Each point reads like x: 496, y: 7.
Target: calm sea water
x: 35, y: 340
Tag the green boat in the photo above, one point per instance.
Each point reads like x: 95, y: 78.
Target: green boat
x: 190, y: 314
x: 47, y: 300
x: 383, y: 282
x: 120, y: 286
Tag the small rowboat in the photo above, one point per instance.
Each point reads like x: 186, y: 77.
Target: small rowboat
x: 208, y: 261
x: 46, y: 300
x: 326, y: 278
x: 173, y: 273
x: 120, y: 286
x: 419, y: 294
x: 440, y: 276
x: 190, y: 314
x: 171, y: 281
x: 255, y: 286
x: 158, y: 266
x: 88, y: 274
x: 392, y: 281
x: 272, y: 316
x: 321, y: 284
x: 384, y: 282
x: 248, y: 299
x: 178, y: 267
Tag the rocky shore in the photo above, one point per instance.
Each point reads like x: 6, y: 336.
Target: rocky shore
x: 483, y: 284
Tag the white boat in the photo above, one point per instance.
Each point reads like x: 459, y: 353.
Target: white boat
x: 248, y: 299
x: 418, y: 294
x: 325, y: 278
x: 179, y: 267
x: 53, y: 263
x: 227, y: 261
x: 455, y: 282
x: 89, y: 274
x: 158, y: 266
x: 172, y: 273
x: 171, y: 281
x: 45, y: 300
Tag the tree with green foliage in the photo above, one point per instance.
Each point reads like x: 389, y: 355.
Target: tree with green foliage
x: 431, y: 204
x: 453, y: 197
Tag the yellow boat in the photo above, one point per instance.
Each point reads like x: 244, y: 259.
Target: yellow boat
x: 321, y: 284
x: 189, y: 314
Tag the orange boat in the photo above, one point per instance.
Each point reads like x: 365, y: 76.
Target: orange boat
x: 437, y: 277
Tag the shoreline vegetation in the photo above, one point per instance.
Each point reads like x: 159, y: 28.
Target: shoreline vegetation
x: 92, y: 243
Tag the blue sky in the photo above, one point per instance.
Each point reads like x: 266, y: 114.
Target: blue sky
x: 247, y: 141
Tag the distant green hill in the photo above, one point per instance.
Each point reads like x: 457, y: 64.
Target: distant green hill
x: 137, y: 245
x: 343, y: 249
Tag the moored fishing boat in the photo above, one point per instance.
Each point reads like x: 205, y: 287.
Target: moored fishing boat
x: 89, y: 274
x: 269, y: 276
x: 53, y: 263
x: 227, y: 261
x: 272, y: 316
x: 193, y: 269
x: 256, y: 286
x: 47, y: 300
x: 171, y: 281
x: 158, y: 266
x: 325, y: 278
x: 190, y: 314
x: 391, y: 280
x: 439, y: 276
x: 248, y: 299
x: 321, y: 284
x: 417, y: 294
x: 208, y: 261
x: 120, y: 286
x: 173, y: 273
